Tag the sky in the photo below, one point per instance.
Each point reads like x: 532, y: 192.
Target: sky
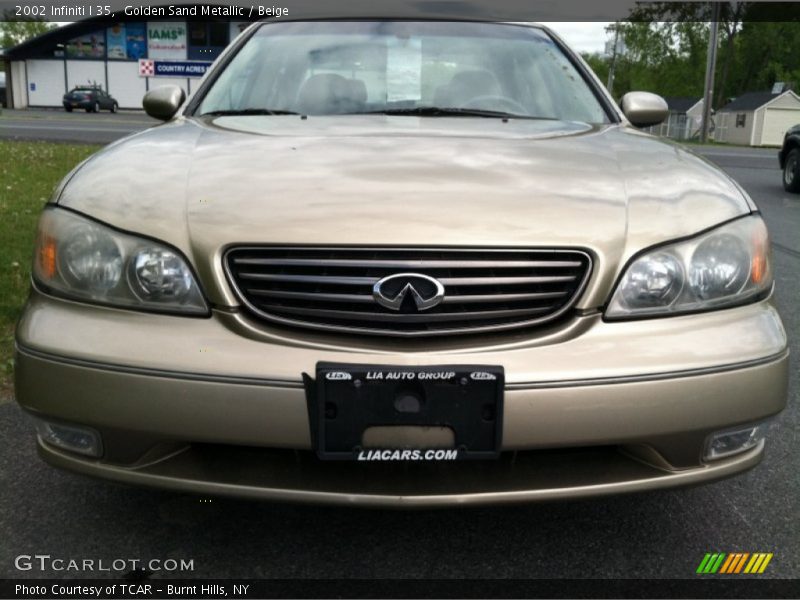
x: 582, y: 37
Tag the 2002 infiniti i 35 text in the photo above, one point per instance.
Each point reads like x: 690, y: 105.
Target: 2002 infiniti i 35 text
x: 364, y: 251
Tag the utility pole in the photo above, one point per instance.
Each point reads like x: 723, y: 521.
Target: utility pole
x: 711, y: 64
x: 610, y: 84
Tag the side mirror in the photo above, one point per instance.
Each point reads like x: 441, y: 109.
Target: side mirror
x: 643, y: 108
x: 163, y: 102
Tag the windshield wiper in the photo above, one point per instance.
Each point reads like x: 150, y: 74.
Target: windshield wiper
x: 247, y: 112
x: 439, y: 111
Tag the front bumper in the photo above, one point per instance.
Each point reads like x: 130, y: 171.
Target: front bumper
x: 202, y: 405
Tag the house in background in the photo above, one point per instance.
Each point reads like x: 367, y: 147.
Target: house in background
x: 683, y: 123
x: 757, y: 118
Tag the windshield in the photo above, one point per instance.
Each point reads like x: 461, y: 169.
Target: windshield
x: 327, y: 68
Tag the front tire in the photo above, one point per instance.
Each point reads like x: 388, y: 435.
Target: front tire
x: 114, y: 107
x: 96, y: 107
x: 68, y: 108
x: 791, y: 172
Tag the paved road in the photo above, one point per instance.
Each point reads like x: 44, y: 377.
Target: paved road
x: 78, y: 126
x: 661, y: 534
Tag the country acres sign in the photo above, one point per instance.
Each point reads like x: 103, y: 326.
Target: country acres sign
x: 150, y: 67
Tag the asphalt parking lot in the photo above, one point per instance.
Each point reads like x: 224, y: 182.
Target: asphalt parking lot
x: 651, y: 535
x: 78, y: 126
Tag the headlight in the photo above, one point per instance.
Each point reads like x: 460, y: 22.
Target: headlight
x: 84, y: 260
x: 726, y: 266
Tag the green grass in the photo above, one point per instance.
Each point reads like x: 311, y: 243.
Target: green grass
x: 28, y: 173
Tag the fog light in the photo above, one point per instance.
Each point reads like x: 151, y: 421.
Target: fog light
x: 726, y: 443
x: 75, y: 439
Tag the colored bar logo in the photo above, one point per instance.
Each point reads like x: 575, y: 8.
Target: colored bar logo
x: 734, y: 563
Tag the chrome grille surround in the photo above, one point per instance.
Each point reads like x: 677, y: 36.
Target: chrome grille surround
x: 330, y: 288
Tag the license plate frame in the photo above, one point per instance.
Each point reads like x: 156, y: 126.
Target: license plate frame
x: 345, y: 399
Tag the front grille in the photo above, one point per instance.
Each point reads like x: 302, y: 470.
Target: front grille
x: 332, y: 288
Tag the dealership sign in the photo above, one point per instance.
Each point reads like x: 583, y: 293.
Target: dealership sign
x: 149, y: 67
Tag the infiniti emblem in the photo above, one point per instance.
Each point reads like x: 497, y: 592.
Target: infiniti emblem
x: 392, y: 291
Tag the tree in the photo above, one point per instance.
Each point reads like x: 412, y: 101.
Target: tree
x: 768, y: 52
x: 598, y: 63
x: 16, y: 32
x: 696, y: 15
x: 666, y: 46
x: 731, y: 21
x: 667, y: 58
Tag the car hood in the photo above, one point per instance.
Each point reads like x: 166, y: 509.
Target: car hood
x: 202, y: 185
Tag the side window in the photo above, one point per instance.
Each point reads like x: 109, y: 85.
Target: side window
x: 741, y: 119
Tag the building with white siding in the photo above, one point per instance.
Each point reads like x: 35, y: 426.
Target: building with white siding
x: 124, y: 58
x: 757, y: 118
